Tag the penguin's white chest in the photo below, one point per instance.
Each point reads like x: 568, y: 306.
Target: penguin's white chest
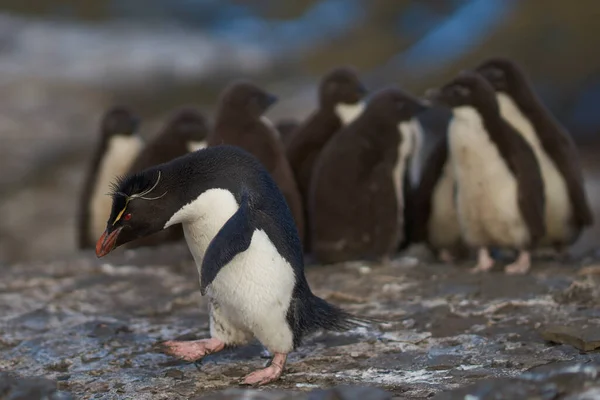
x: 558, y: 206
x: 406, y: 148
x: 120, y: 153
x: 487, y: 201
x: 196, y: 145
x: 443, y: 226
x: 349, y: 112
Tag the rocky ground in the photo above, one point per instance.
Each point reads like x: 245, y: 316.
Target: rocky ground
x: 89, y: 328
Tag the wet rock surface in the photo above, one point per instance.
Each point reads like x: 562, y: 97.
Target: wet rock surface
x: 91, y: 328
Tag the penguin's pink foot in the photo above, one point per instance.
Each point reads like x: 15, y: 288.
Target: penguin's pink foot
x: 520, y: 266
x: 446, y: 256
x: 484, y: 261
x: 192, y: 350
x: 269, y: 374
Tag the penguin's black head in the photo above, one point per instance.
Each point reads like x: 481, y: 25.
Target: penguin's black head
x: 119, y: 120
x: 142, y: 205
x: 341, y: 85
x: 467, y: 89
x: 188, y: 125
x: 245, y: 99
x: 394, y: 105
x: 503, y: 74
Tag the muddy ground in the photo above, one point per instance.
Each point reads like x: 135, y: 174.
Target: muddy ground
x: 91, y: 326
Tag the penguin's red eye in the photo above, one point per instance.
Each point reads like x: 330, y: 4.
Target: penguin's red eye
x: 127, y: 217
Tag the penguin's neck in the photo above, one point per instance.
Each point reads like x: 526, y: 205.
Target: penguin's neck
x: 202, y: 218
x: 348, y: 112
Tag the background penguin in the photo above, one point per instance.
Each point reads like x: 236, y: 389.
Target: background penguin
x: 286, y: 128
x: 241, y: 234
x: 185, y: 131
x: 435, y: 215
x: 240, y: 122
x: 340, y: 102
x: 118, y: 147
x: 567, y: 208
x: 500, y: 193
x: 356, y: 198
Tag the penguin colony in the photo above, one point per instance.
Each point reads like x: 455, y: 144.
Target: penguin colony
x: 351, y: 182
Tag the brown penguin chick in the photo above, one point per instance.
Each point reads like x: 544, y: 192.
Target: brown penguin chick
x: 239, y: 121
x: 119, y: 145
x: 500, y: 191
x: 185, y: 131
x: 435, y: 219
x: 356, y: 199
x: 286, y: 128
x: 340, y: 101
x: 567, y: 208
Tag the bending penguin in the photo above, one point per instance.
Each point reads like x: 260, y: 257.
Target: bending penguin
x: 240, y: 122
x: 185, y: 131
x: 500, y: 192
x: 356, y: 203
x: 242, y: 236
x: 119, y: 145
x: 567, y: 210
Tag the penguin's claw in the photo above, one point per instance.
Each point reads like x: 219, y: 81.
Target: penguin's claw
x: 520, y: 266
x: 263, y: 376
x: 268, y: 374
x: 484, y: 261
x: 192, y: 350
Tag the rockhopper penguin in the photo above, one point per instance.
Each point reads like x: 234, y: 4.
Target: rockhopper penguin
x: 567, y: 209
x: 435, y: 220
x: 119, y: 146
x: 242, y: 236
x: 185, y: 131
x: 500, y: 192
x: 240, y: 122
x: 341, y: 97
x: 356, y: 200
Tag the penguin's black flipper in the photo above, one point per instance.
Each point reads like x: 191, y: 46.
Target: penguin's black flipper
x: 233, y: 238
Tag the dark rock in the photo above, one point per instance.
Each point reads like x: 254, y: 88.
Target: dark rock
x: 546, y: 382
x: 241, y: 394
x: 13, y: 387
x: 175, y: 374
x: 585, y: 339
x: 347, y: 392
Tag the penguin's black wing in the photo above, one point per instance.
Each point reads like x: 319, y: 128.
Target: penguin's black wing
x: 423, y: 193
x: 530, y: 186
x: 232, y: 239
x: 560, y: 147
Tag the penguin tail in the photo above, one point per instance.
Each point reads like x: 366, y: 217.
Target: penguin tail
x: 329, y: 317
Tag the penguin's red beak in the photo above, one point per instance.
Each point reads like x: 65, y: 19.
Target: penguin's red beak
x: 107, y: 242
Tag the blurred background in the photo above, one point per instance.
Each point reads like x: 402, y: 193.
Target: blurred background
x: 62, y: 63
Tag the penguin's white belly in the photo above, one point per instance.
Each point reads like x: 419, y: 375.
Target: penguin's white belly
x: 558, y: 213
x: 405, y: 150
x: 487, y: 203
x: 443, y: 226
x: 120, y: 153
x: 254, y: 292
